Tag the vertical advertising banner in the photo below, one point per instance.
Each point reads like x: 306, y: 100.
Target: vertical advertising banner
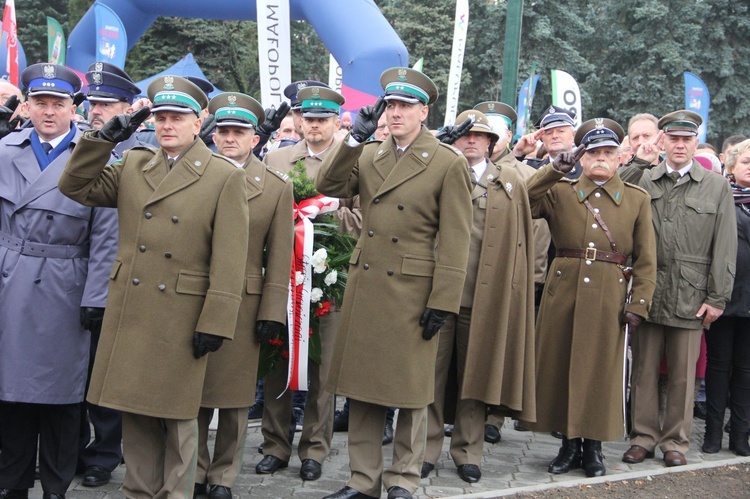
x: 55, y: 42
x: 457, y: 60
x: 111, y: 39
x: 335, y: 74
x: 525, y: 102
x: 697, y: 99
x: 10, y: 36
x: 274, y: 50
x: 566, y: 94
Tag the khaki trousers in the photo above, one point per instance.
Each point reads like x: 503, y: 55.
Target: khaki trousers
x: 682, y: 346
x: 468, y: 429
x: 225, y: 466
x: 366, y: 423
x: 160, y: 456
x: 317, y: 431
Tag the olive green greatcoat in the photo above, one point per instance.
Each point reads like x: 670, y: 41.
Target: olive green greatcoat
x: 499, y: 367
x: 232, y: 371
x: 395, y: 271
x: 179, y: 269
x: 580, y: 340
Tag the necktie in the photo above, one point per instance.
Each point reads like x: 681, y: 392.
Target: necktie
x: 399, y: 153
x: 170, y: 162
x: 47, y: 147
x: 675, y: 176
x: 474, y: 174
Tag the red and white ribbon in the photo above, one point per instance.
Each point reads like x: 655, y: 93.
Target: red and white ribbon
x: 298, y: 308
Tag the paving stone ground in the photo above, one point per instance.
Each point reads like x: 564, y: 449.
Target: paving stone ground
x: 517, y: 464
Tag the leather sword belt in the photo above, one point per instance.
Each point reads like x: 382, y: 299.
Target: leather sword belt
x: 31, y: 248
x: 593, y: 254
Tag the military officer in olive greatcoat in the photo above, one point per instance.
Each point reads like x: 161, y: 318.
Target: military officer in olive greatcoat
x: 175, y: 291
x: 231, y: 374
x: 400, y: 289
x: 597, y: 222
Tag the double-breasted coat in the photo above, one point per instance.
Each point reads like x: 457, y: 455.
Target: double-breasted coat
x: 179, y: 269
x: 580, y: 340
x: 232, y: 371
x: 55, y: 256
x: 395, y: 270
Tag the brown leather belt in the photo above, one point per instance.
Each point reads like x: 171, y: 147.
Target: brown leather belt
x: 592, y: 254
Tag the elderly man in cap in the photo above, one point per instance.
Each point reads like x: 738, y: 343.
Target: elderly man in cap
x: 110, y: 92
x: 400, y: 289
x: 231, y: 374
x: 175, y: 292
x: 56, y: 255
x: 319, y: 108
x: 598, y: 222
x: 696, y: 248
x: 493, y: 333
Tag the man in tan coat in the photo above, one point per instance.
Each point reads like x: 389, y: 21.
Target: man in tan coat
x: 597, y: 224
x: 400, y: 289
x: 319, y: 108
x: 175, y: 291
x: 231, y: 374
x: 493, y: 334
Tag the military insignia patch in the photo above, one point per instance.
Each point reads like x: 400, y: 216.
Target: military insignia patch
x: 315, y: 93
x: 97, y: 77
x: 168, y: 83
x: 301, y: 85
x: 508, y: 187
x: 402, y: 74
x: 49, y: 71
x: 599, y: 123
x: 491, y: 106
x: 232, y: 100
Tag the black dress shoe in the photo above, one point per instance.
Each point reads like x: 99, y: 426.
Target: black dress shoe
x: 96, y: 476
x: 491, y: 434
x: 518, y: 426
x: 349, y: 493
x: 448, y: 430
x: 14, y: 493
x: 568, y: 458
x: 310, y: 470
x: 341, y: 421
x: 219, y: 492
x: 592, y: 458
x: 427, y: 469
x: 270, y: 464
x: 556, y: 434
x: 469, y: 473
x: 398, y: 493
x: 388, y: 433
x: 200, y: 489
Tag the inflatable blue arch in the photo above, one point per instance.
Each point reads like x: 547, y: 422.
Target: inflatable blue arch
x: 355, y: 32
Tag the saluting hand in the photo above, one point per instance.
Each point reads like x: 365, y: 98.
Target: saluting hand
x: 6, y: 112
x: 451, y: 133
x: 527, y: 144
x: 122, y: 126
x: 565, y: 161
x: 273, y: 118
x: 650, y: 150
x: 367, y: 121
x: 207, y: 129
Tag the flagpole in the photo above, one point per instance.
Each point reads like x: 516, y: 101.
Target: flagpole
x: 457, y: 60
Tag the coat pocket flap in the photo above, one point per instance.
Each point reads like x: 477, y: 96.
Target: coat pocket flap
x: 253, y: 285
x: 192, y: 283
x: 418, y: 265
x: 700, y: 205
x: 355, y: 256
x: 115, y: 269
x: 696, y: 278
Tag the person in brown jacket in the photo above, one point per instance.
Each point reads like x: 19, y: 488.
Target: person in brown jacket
x: 231, y: 374
x: 175, y: 287
x: 400, y: 289
x: 597, y: 223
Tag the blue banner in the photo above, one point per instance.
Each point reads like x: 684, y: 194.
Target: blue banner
x: 525, y: 101
x: 111, y: 40
x: 697, y: 99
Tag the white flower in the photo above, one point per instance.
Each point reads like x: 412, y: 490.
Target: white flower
x: 299, y: 278
x: 318, y: 261
x: 331, y: 278
x: 315, y: 295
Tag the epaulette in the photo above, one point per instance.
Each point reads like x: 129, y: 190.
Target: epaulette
x: 452, y: 148
x: 636, y: 187
x: 283, y: 176
x: 570, y: 180
x: 144, y: 147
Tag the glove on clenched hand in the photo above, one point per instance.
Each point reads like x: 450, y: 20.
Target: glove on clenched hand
x: 91, y: 319
x: 267, y: 330
x: 274, y: 118
x: 367, y: 121
x: 122, y: 126
x: 451, y: 133
x: 204, y: 343
x: 6, y: 111
x: 432, y: 320
x: 633, y: 319
x: 207, y: 129
x: 565, y: 161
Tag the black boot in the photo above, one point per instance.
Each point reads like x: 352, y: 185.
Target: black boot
x: 569, y: 457
x: 738, y: 443
x: 592, y: 458
x: 712, y: 437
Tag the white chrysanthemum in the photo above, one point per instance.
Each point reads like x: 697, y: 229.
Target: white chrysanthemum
x: 299, y: 278
x: 331, y: 278
x: 315, y: 295
x: 318, y: 261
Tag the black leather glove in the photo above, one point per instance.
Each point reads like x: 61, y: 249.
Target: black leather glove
x: 367, y: 121
x: 207, y: 129
x: 268, y: 330
x: 432, y: 320
x: 78, y: 99
x: 204, y: 343
x: 6, y: 111
x: 273, y: 118
x: 122, y: 126
x: 633, y: 319
x: 565, y: 161
x: 91, y: 319
x: 451, y: 133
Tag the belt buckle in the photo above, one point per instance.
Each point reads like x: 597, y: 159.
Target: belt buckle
x: 590, y: 254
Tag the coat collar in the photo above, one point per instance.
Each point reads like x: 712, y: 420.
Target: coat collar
x: 255, y: 177
x: 415, y: 160
x: 585, y: 187
x: 696, y: 171
x: 187, y: 169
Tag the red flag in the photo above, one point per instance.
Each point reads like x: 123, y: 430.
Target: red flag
x: 11, y: 43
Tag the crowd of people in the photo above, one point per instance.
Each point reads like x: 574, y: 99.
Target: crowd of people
x: 554, y: 279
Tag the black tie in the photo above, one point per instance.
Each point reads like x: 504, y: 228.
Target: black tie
x: 47, y: 147
x: 675, y: 176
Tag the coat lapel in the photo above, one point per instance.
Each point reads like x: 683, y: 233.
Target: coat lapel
x: 414, y: 162
x: 186, y: 171
x: 385, y: 158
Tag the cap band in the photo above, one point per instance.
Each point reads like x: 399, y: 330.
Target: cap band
x: 554, y: 120
x: 401, y: 88
x: 320, y: 105
x: 50, y: 86
x: 498, y: 115
x: 236, y: 113
x: 681, y: 125
x: 175, y: 99
x: 108, y: 92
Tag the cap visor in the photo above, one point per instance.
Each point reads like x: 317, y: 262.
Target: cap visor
x: 238, y: 124
x: 32, y: 93
x: 402, y: 98
x: 602, y: 143
x: 174, y: 109
x: 316, y: 114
